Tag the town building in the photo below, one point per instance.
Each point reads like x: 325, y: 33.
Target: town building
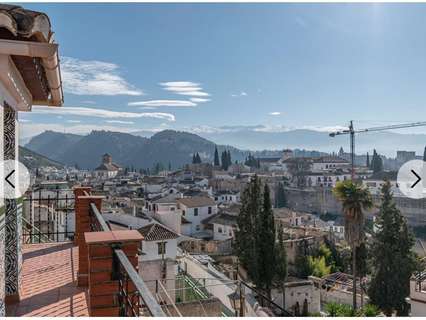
x: 107, y: 169
x: 195, y: 210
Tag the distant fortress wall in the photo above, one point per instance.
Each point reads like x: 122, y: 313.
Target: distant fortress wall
x: 321, y: 200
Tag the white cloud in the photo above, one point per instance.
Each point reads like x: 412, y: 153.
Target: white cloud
x: 194, y: 93
x: 119, y: 122
x: 163, y: 103
x: 88, y: 102
x: 179, y: 84
x: 24, y: 120
x: 93, y: 77
x: 198, y: 100
x: 101, y: 113
x: 275, y: 113
x: 241, y: 94
x: 73, y: 121
x: 186, y: 88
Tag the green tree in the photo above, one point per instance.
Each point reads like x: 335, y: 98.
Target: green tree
x: 393, y: 258
x: 318, y: 266
x: 376, y: 162
x: 354, y: 198
x: 368, y: 161
x: 245, y: 239
x: 216, y: 157
x: 265, y: 235
x: 226, y: 159
x: 281, y: 266
x: 280, y: 197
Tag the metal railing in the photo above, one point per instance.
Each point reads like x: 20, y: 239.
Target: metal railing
x: 47, y: 216
x: 134, y: 297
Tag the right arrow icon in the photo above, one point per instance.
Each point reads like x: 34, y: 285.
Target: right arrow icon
x: 418, y: 178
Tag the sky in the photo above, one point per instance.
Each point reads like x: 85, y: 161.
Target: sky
x: 199, y: 67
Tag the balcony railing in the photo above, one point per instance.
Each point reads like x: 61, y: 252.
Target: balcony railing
x: 133, y: 303
x: 48, y: 216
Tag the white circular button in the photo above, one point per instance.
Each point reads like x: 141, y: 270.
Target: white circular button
x: 412, y: 179
x: 14, y: 179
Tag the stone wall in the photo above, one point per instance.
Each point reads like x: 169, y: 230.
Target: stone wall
x: 321, y: 200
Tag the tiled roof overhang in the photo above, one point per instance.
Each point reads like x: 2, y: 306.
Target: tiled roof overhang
x: 40, y: 74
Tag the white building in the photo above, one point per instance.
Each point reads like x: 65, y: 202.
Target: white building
x: 223, y: 225
x: 107, y: 169
x: 195, y: 210
x: 157, y: 263
x: 227, y: 197
x: 417, y: 298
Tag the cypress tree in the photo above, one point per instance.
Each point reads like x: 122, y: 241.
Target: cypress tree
x: 424, y: 155
x: 393, y: 258
x: 245, y: 237
x: 368, y: 161
x: 216, y: 157
x: 266, y: 244
x: 376, y: 162
x: 193, y: 158
x: 280, y: 197
x: 281, y: 269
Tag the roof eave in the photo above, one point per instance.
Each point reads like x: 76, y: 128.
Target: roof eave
x: 48, y: 53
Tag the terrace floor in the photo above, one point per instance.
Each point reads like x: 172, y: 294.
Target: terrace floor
x: 49, y: 282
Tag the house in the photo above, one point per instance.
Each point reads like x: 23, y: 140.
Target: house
x: 227, y: 196
x: 417, y: 298
x: 195, y: 210
x: 290, y: 217
x: 157, y: 262
x: 165, y: 209
x: 223, y: 224
x: 300, y: 295
x: 107, y: 169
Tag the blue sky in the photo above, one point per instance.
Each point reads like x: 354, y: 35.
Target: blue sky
x: 130, y: 67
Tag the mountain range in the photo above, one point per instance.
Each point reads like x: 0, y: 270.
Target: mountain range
x: 177, y: 147
x: 127, y: 150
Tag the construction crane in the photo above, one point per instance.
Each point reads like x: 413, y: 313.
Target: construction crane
x: 351, y: 131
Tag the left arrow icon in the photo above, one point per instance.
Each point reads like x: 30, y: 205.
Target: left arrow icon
x: 7, y: 179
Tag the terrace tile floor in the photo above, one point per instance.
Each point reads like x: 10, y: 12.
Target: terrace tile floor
x: 49, y: 282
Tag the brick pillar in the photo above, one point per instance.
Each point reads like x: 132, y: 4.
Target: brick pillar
x: 82, y: 214
x: 103, y: 291
x: 78, y: 191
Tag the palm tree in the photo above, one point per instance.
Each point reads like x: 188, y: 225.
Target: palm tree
x: 354, y: 198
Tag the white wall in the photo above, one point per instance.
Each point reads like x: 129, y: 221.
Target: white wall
x: 196, y: 220
x: 150, y: 250
x: 222, y: 232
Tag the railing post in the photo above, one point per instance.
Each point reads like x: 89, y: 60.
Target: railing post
x: 82, y: 225
x: 103, y: 287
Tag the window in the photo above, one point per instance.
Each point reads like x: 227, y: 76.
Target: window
x: 197, y: 227
x: 219, y: 229
x: 172, y: 208
x: 210, y: 210
x: 183, y: 212
x: 195, y: 212
x: 161, y: 248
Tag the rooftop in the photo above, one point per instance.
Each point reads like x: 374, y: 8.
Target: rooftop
x: 49, y: 277
x: 155, y: 232
x: 197, y: 202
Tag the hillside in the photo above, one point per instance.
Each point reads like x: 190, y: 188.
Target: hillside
x: 166, y: 147
x: 33, y: 160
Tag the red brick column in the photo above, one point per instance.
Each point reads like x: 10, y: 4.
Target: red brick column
x: 103, y: 291
x: 82, y: 225
x: 78, y: 191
